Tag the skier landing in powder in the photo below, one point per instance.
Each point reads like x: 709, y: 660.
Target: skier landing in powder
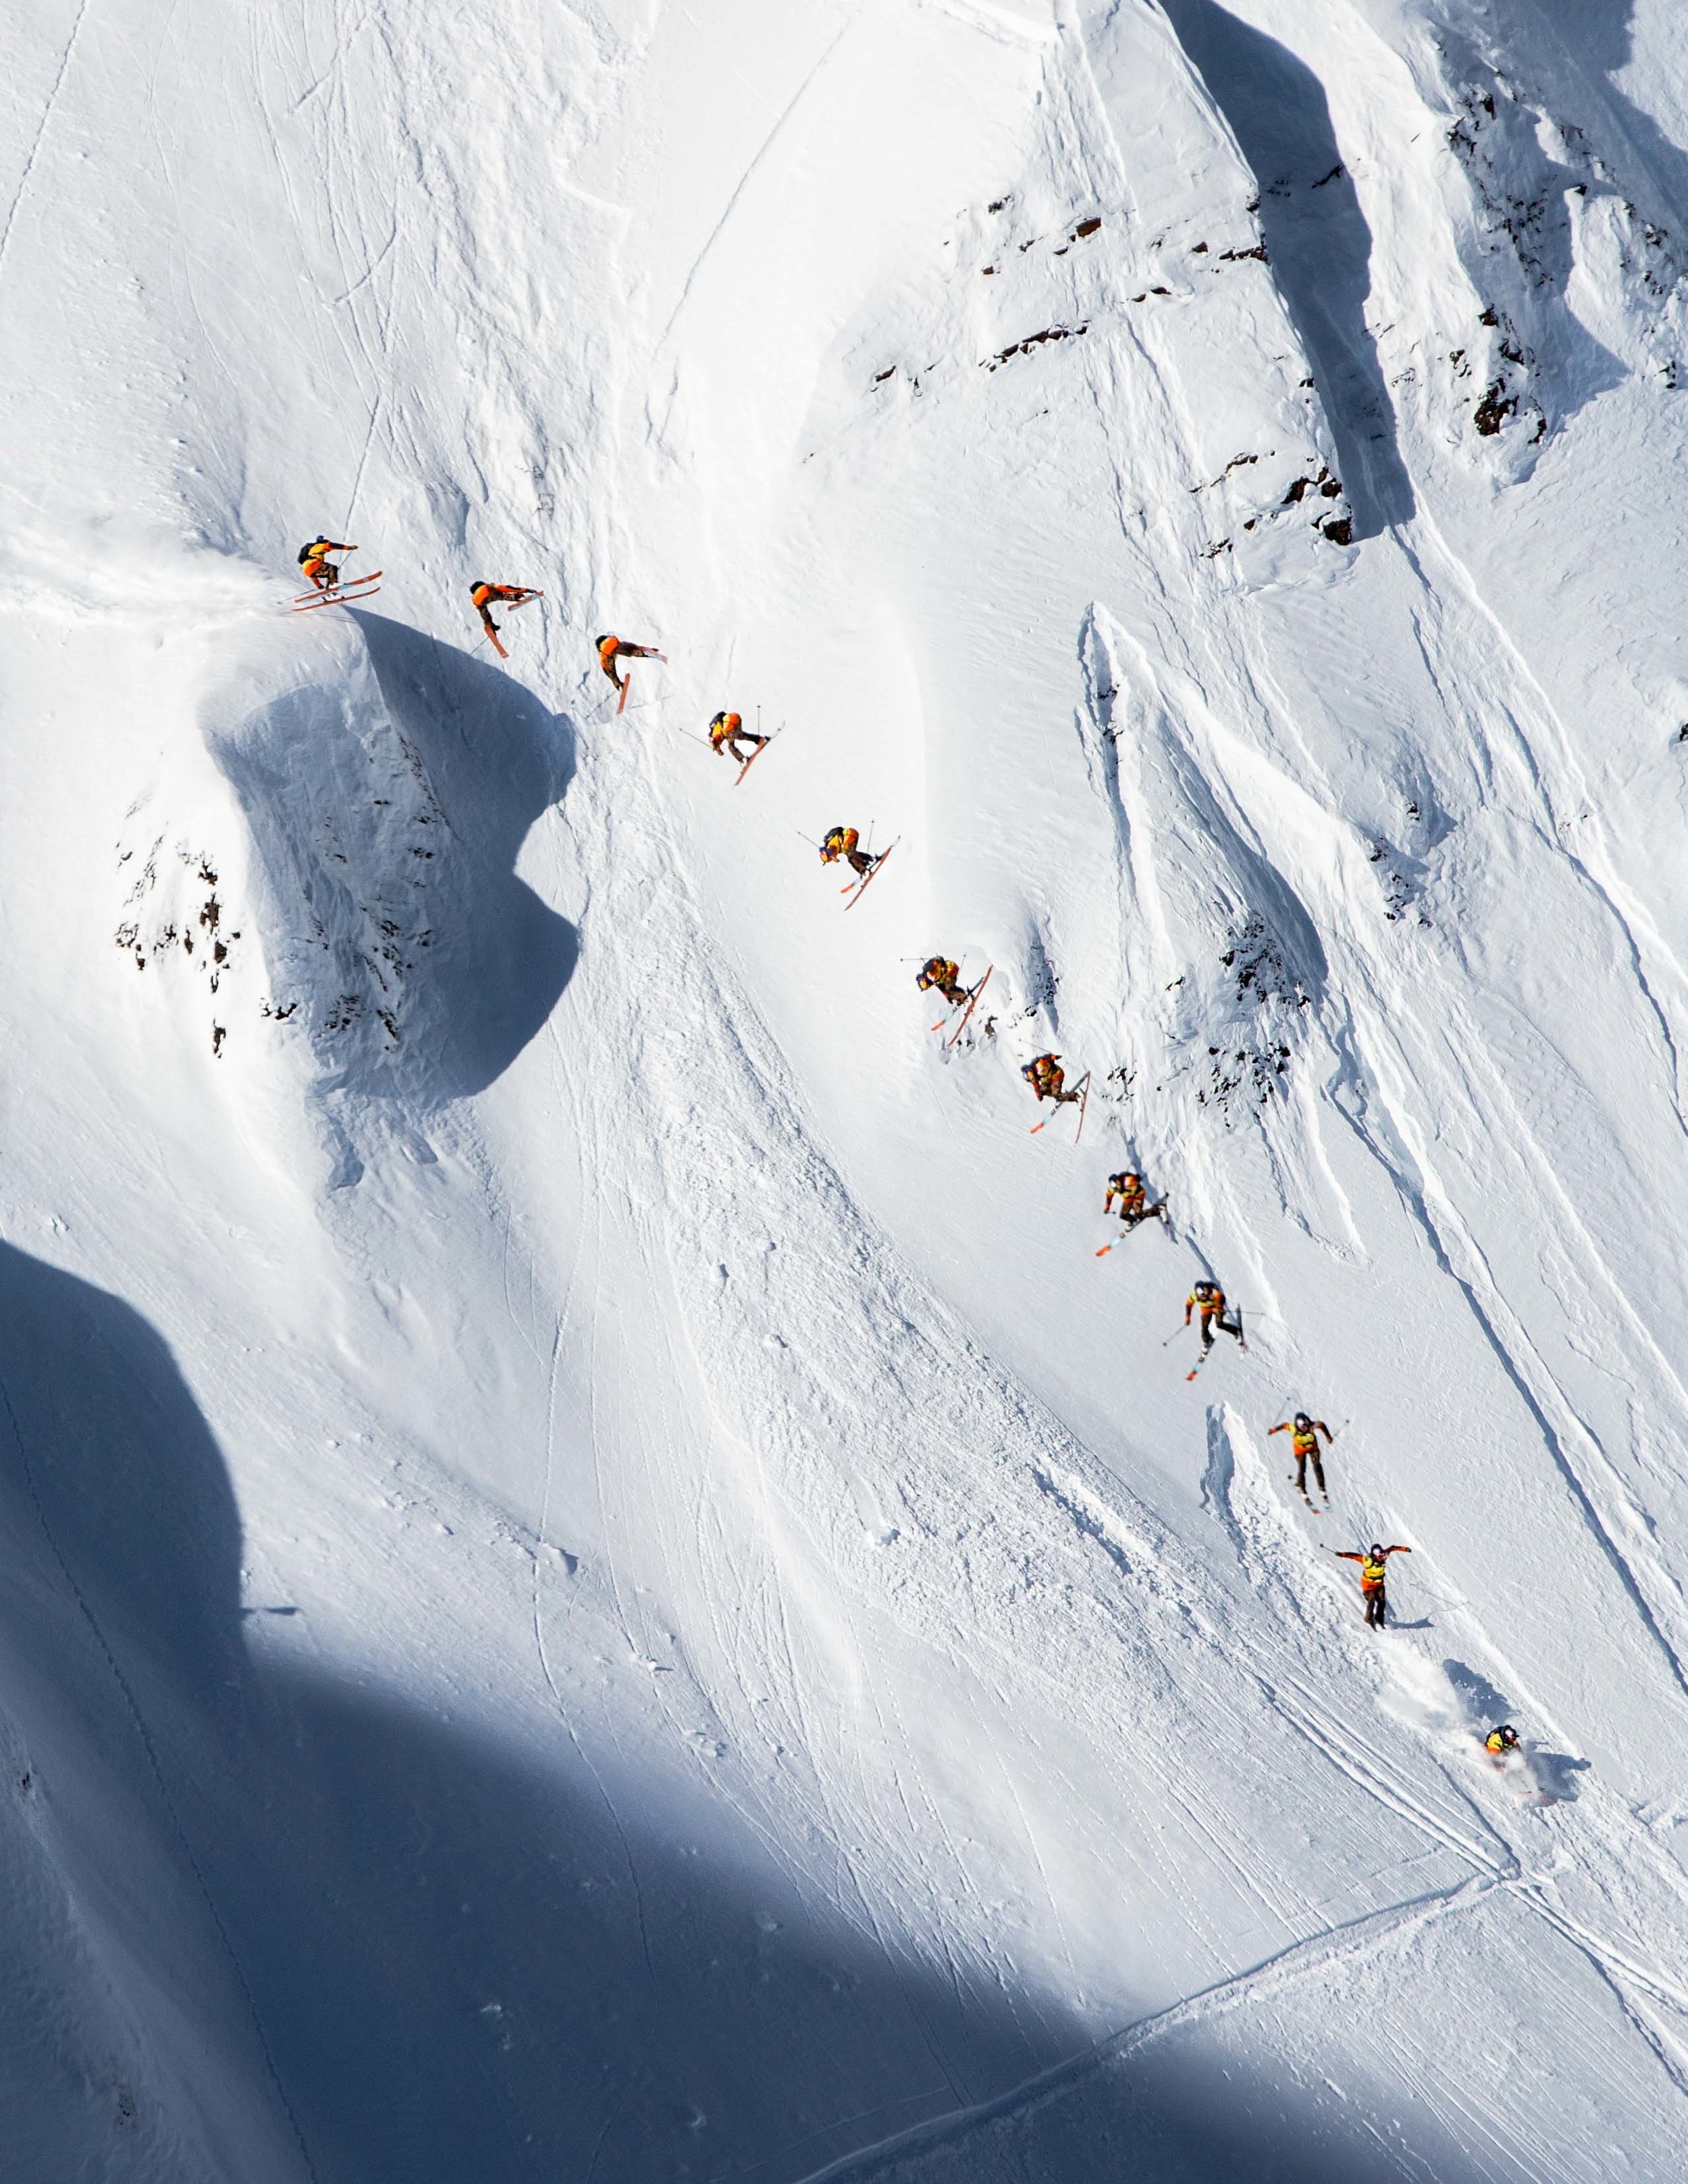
x: 1374, y: 1568
x: 1047, y: 1077
x: 1134, y: 1201
x: 319, y: 570
x: 1304, y: 1433
x: 726, y: 730
x: 485, y: 594
x: 612, y: 649
x: 1209, y: 1299
x: 842, y: 841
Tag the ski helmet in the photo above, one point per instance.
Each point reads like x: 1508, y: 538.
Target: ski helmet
x: 1506, y: 1733
x: 1302, y: 1419
x: 1375, y: 1552
x: 605, y: 640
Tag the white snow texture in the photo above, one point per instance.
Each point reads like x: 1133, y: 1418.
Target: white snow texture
x: 597, y: 1581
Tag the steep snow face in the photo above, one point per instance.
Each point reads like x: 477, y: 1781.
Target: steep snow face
x: 601, y: 1575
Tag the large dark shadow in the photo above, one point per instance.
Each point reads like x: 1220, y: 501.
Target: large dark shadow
x: 496, y: 759
x: 1318, y: 238
x: 398, y: 934
x: 357, y: 1929
x: 431, y: 1958
x: 1599, y: 36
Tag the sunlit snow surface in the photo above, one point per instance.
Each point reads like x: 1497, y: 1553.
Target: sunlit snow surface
x: 596, y: 1582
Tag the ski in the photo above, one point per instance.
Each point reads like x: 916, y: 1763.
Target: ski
x: 754, y: 756
x: 1081, y: 1095
x: 492, y: 637
x: 867, y: 878
x: 621, y: 702
x: 356, y: 587
x: 972, y: 1002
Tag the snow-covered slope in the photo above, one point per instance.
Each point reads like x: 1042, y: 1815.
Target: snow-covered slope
x: 595, y: 1578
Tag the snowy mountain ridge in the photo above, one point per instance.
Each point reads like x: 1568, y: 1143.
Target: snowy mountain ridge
x: 598, y: 1578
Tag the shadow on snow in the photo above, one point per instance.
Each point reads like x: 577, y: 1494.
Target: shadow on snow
x: 361, y: 1942
x: 1319, y: 243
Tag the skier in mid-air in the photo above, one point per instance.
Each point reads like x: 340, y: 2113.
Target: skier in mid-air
x: 843, y: 842
x: 1209, y: 1299
x: 1046, y: 1077
x: 1133, y: 1201
x: 486, y: 595
x: 726, y: 730
x: 319, y: 570
x: 1373, y: 1563
x: 612, y: 649
x: 1304, y: 1433
x: 940, y: 972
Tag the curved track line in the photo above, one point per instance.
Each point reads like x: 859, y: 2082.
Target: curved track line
x: 41, y: 131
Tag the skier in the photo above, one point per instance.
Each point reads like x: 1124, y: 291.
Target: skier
x: 1047, y: 1077
x: 841, y: 842
x: 1500, y: 1741
x: 1373, y: 1565
x: 946, y: 976
x: 1209, y: 1299
x: 1133, y: 1204
x: 314, y: 559
x: 483, y: 594
x: 612, y: 649
x: 1304, y: 1433
x: 725, y: 732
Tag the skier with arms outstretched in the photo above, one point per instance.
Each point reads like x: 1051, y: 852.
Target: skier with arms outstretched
x: 1373, y: 1563
x: 319, y: 571
x: 1304, y: 1433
